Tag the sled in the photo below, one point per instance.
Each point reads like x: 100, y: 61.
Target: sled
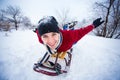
x: 47, y: 70
x: 52, y: 69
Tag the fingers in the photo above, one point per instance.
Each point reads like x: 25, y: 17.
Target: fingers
x: 102, y: 21
x: 99, y: 19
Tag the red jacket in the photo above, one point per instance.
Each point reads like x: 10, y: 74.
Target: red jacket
x: 70, y: 37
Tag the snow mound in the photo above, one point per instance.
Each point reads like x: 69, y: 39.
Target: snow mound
x: 94, y: 58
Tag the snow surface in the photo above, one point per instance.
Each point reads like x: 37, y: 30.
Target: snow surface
x: 94, y: 58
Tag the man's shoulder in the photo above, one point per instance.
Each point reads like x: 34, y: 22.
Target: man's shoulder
x: 66, y: 33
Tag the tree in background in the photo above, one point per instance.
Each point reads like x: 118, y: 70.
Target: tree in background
x: 64, y: 17
x: 12, y: 16
x: 26, y: 22
x: 110, y: 11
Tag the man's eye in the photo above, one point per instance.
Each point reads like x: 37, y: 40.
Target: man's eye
x: 45, y: 36
x: 53, y: 34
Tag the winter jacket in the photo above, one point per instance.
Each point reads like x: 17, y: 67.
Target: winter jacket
x: 70, y: 37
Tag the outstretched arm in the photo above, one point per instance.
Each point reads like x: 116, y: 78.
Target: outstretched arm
x: 79, y: 33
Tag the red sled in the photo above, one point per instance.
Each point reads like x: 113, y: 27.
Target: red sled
x: 47, y: 71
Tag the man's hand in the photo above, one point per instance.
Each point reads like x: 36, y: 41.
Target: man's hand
x: 97, y: 22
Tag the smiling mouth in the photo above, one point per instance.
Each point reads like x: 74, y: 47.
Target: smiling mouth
x: 53, y: 46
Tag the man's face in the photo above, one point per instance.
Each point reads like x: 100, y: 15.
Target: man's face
x: 51, y: 39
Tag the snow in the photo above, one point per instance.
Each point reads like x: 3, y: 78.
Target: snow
x: 45, y: 19
x: 94, y: 58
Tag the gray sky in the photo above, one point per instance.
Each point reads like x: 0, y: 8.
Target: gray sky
x: 36, y: 9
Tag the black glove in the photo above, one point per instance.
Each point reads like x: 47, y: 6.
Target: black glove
x: 97, y: 22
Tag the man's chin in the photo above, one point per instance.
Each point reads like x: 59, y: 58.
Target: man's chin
x: 52, y: 47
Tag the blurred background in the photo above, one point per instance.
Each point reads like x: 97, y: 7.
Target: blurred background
x: 25, y: 14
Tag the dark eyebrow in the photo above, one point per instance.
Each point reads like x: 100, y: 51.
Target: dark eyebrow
x: 44, y: 36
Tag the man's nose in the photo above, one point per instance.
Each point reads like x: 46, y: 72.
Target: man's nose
x: 50, y: 40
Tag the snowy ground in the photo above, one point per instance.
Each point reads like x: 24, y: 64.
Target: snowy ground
x: 94, y: 58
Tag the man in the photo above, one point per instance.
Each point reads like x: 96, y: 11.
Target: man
x: 59, y: 42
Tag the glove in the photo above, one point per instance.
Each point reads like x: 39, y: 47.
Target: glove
x: 97, y: 22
